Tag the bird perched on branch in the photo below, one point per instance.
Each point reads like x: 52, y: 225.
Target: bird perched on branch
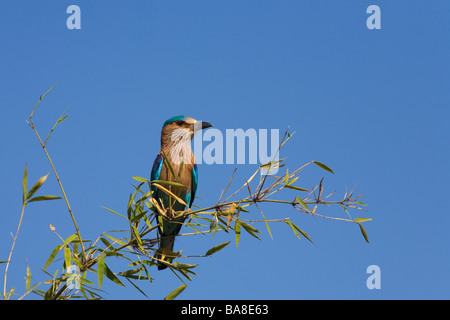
x: 174, y: 177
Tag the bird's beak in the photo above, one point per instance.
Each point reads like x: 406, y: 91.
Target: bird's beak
x: 206, y: 125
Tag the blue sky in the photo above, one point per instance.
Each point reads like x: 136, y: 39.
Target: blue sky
x: 371, y: 104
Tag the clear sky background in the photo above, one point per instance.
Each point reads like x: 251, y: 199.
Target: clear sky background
x: 371, y: 104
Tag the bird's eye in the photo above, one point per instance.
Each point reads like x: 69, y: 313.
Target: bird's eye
x: 179, y: 122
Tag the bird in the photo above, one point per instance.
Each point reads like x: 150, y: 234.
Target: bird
x: 175, y: 163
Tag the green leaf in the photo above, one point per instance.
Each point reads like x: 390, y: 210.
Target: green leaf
x: 36, y: 186
x: 250, y: 229
x: 53, y: 255
x: 67, y: 258
x: 116, y: 240
x: 114, y: 212
x: 364, y: 233
x: 61, y: 118
x: 297, y: 230
x: 237, y: 230
x: 101, y: 269
x: 160, y: 223
x: 292, y: 181
x: 293, y: 228
x: 169, y: 183
x: 267, y: 226
x: 43, y: 198
x: 70, y: 239
x: 24, y: 183
x: 324, y: 167
x: 140, y: 179
x: 302, y: 203
x: 137, y: 288
x: 217, y: 248
x: 176, y: 292
x: 296, y: 188
x: 28, y: 279
x: 167, y: 162
x: 180, y: 169
x: 138, y: 238
x: 241, y: 209
x: 185, y: 265
x: 111, y: 276
x: 357, y: 220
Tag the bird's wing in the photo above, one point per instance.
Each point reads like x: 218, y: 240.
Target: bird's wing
x: 194, y: 182
x: 156, y: 172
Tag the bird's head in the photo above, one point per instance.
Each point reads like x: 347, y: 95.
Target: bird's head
x: 183, y: 126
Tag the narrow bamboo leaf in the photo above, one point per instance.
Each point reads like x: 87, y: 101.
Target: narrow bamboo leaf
x: 24, y: 183
x: 357, y: 220
x: 217, y: 248
x: 137, y: 288
x: 242, y: 209
x: 36, y: 186
x: 304, y: 234
x: 114, y: 212
x: 169, y: 183
x: 324, y: 167
x: 71, y: 238
x: 131, y: 272
x: 140, y: 179
x: 129, y: 209
x: 237, y: 230
x: 267, y: 226
x: 185, y: 265
x: 297, y: 229
x: 115, y: 240
x: 176, y: 292
x: 302, y: 203
x: 296, y: 188
x: 67, y: 258
x: 180, y: 169
x: 28, y: 279
x: 111, y: 276
x: 251, y: 230
x: 185, y: 274
x: 361, y: 203
x: 100, y: 270
x: 293, y: 228
x: 43, y: 198
x: 167, y: 162
x: 84, y: 280
x: 364, y: 233
x: 138, y: 238
x: 61, y: 119
x: 170, y: 193
x: 53, y: 255
x: 249, y: 227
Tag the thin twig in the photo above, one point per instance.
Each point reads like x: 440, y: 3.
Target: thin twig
x: 12, y: 249
x: 56, y: 173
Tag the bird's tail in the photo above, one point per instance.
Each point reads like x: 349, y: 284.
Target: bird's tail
x: 166, y: 244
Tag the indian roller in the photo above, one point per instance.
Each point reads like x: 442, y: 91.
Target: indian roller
x: 176, y: 135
